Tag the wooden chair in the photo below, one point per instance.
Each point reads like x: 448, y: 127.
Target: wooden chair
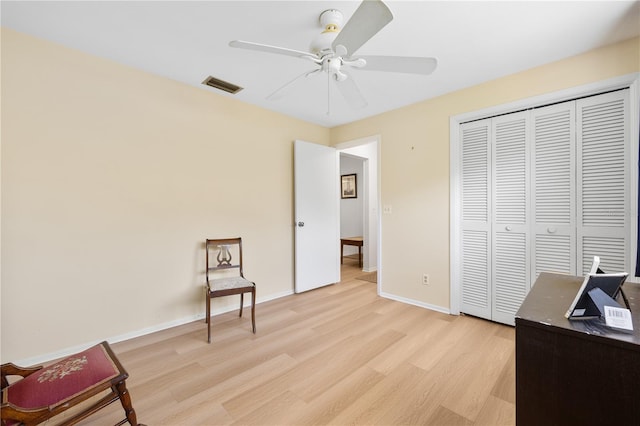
x: 225, y: 276
x: 45, y: 392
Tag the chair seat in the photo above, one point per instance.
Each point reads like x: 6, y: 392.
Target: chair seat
x: 55, y: 385
x: 229, y: 283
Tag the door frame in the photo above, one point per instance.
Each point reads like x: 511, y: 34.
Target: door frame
x: 375, y: 226
x: 631, y: 81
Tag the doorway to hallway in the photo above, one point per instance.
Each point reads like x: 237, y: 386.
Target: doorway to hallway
x: 361, y: 216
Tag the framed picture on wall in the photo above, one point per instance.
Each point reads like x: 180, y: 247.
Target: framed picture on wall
x: 349, y: 187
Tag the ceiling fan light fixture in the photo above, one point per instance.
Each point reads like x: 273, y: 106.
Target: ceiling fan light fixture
x: 332, y: 66
x: 340, y: 76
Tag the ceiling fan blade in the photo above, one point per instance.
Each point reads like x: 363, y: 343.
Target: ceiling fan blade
x: 350, y: 91
x: 369, y: 18
x: 286, y: 89
x: 401, y: 64
x: 272, y: 49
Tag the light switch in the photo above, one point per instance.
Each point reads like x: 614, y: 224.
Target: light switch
x: 386, y: 209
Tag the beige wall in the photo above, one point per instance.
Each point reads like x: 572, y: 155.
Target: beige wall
x: 415, y: 164
x: 111, y: 180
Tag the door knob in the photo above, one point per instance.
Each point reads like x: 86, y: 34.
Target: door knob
x: 300, y: 224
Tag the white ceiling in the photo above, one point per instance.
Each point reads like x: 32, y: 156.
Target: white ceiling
x: 474, y: 41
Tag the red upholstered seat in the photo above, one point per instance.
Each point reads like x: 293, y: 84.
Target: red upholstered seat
x: 45, y: 392
x: 58, y: 383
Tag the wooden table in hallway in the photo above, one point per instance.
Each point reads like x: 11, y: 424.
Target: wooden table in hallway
x: 351, y: 241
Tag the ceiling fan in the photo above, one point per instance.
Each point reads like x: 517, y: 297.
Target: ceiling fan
x: 333, y: 52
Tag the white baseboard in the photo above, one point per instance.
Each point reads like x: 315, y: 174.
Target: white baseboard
x: 415, y: 303
x: 41, y: 359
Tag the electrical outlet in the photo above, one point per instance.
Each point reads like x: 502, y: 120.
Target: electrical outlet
x: 425, y: 279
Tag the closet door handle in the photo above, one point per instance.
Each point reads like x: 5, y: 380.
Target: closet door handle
x: 508, y: 228
x: 551, y: 230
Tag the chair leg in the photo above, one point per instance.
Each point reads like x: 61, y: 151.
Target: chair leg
x: 125, y: 400
x: 241, y: 303
x: 253, y: 310
x: 207, y: 304
x: 208, y: 317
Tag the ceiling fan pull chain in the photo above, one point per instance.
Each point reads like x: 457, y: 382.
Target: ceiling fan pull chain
x: 328, y: 94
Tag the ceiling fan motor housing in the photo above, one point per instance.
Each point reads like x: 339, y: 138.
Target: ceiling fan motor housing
x: 331, y: 21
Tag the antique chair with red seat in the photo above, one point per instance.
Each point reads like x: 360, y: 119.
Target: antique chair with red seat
x: 225, y: 276
x: 45, y: 392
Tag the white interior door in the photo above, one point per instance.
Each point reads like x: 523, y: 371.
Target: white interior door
x: 317, y: 223
x: 510, y: 235
x: 604, y: 181
x: 475, y: 163
x: 553, y: 172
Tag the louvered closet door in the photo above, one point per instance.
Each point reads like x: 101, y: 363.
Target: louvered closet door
x: 510, y: 215
x: 553, y: 188
x: 603, y: 181
x: 476, y: 291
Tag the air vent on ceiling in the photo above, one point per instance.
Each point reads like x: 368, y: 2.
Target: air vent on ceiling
x: 222, y: 85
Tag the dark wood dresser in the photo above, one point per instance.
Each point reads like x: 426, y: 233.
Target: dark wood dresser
x: 574, y: 372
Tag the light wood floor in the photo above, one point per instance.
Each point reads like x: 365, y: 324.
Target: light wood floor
x: 338, y: 355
